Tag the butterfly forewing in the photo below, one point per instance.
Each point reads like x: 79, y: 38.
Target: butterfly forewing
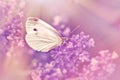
x: 40, y: 35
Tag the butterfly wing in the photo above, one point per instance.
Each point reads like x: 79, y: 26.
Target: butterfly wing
x: 40, y: 35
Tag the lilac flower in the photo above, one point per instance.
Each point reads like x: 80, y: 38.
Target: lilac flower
x: 73, y: 61
x: 12, y: 21
x: 11, y: 26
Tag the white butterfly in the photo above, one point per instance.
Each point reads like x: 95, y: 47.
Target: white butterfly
x: 41, y: 36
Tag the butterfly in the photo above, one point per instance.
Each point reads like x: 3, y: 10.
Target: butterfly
x: 41, y: 36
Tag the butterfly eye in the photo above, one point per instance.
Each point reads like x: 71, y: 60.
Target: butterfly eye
x: 34, y: 29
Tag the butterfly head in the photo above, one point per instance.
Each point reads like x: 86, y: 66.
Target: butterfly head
x: 64, y: 39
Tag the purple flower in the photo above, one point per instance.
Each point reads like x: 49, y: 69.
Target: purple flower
x: 11, y: 25
x: 73, y: 61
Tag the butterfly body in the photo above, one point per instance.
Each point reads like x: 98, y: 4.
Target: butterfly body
x: 41, y: 36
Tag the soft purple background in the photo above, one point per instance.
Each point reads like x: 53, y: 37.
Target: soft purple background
x: 98, y: 18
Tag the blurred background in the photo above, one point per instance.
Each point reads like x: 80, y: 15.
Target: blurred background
x: 98, y: 18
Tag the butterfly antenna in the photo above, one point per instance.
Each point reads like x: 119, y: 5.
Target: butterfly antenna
x: 77, y: 27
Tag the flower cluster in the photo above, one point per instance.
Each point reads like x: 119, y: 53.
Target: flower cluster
x: 11, y: 25
x: 12, y: 20
x: 100, y: 67
x: 73, y: 61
